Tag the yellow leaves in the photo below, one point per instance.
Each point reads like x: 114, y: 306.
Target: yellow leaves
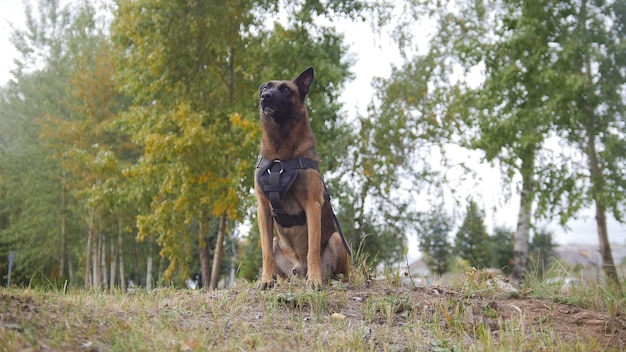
x: 203, y: 179
x: 171, y: 268
x: 227, y: 204
x: 238, y: 121
x: 251, y: 130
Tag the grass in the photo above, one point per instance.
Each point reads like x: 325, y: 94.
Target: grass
x: 574, y: 286
x: 377, y: 315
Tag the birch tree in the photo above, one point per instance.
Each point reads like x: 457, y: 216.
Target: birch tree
x: 509, y: 113
x: 45, y: 215
x: 589, y: 85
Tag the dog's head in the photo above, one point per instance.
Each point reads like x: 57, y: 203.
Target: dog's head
x: 279, y: 100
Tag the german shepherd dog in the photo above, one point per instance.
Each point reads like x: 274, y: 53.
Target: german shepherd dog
x: 291, y: 195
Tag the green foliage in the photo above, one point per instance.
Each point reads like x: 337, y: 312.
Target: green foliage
x: 471, y: 241
x: 38, y: 206
x: 433, y: 231
x: 550, y: 72
x: 191, y: 109
x: 392, y: 148
x: 500, y: 249
x: 158, y: 135
x: 176, y: 156
x: 195, y: 115
x: 589, y: 101
x: 541, y: 251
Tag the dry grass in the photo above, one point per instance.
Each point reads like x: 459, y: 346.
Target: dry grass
x: 373, y: 316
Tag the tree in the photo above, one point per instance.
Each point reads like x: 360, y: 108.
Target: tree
x: 500, y: 249
x: 399, y: 143
x: 193, y: 68
x: 526, y: 49
x: 43, y: 214
x: 74, y: 196
x: 542, y: 251
x: 471, y: 239
x: 93, y: 154
x: 189, y: 92
x: 589, y: 103
x: 433, y: 233
x: 511, y: 118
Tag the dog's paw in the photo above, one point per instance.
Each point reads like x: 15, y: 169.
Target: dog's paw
x: 315, y: 285
x: 266, y: 285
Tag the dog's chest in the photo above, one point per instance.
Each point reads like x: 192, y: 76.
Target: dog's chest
x: 291, y: 205
x: 296, y: 238
x: 276, y: 178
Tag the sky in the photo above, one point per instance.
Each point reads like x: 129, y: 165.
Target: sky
x: 374, y: 57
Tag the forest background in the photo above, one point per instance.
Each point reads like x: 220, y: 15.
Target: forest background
x: 134, y: 143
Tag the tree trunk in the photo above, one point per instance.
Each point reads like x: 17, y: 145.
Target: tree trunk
x: 597, y: 177
x: 203, y: 249
x: 136, y: 277
x: 161, y: 269
x: 89, y: 252
x: 522, y: 234
x: 70, y: 268
x: 219, y: 252
x: 103, y: 261
x: 233, y: 270
x: 64, y: 256
x: 608, y: 265
x: 149, y: 268
x: 95, y: 261
x: 120, y: 252
x: 113, y: 264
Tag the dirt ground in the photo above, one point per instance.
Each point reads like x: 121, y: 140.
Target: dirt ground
x: 568, y: 322
x: 35, y: 321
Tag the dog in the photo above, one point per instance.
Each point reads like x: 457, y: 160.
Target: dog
x: 291, y: 195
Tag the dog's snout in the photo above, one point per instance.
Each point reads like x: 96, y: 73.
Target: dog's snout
x: 266, y: 96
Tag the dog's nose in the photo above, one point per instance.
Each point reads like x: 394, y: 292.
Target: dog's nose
x: 266, y: 96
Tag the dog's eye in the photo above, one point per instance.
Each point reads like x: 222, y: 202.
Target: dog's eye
x: 285, y: 89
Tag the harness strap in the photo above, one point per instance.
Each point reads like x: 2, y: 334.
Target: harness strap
x: 280, y: 175
x: 276, y: 178
x: 298, y: 163
x: 343, y: 237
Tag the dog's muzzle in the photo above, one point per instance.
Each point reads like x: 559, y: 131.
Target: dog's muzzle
x: 267, y: 101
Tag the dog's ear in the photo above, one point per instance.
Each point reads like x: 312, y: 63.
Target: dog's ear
x: 304, y: 81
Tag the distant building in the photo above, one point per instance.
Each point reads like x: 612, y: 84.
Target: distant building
x: 418, y: 268
x: 588, y: 254
x: 575, y: 255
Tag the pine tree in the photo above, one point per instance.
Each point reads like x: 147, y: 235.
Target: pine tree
x: 471, y: 241
x: 500, y: 249
x: 433, y: 232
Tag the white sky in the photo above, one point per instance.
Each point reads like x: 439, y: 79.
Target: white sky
x: 374, y: 57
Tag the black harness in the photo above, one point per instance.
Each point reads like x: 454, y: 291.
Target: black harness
x: 276, y: 178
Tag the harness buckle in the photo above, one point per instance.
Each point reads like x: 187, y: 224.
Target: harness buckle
x: 269, y: 171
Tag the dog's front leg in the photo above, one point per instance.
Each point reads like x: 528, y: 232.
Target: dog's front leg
x: 266, y: 230
x: 314, y: 227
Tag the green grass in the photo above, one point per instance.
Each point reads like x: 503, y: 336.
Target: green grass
x: 365, y: 315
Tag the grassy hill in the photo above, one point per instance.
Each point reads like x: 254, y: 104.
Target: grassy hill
x: 367, y: 315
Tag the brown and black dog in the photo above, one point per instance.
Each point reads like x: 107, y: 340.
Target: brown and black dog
x: 290, y: 192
